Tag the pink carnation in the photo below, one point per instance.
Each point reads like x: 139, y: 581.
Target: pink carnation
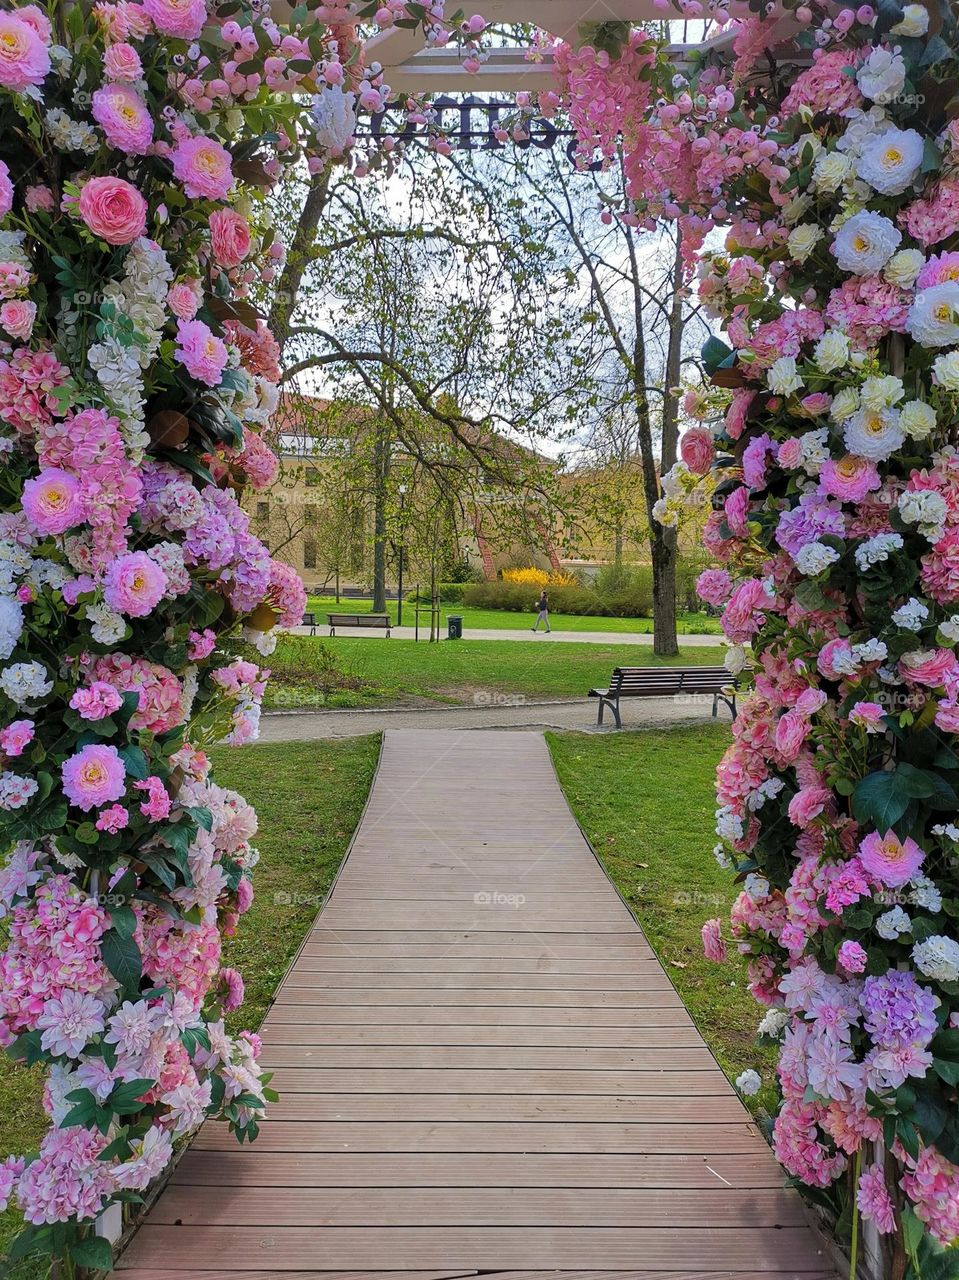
x: 202, y: 354
x: 51, y: 501
x: 892, y: 861
x: 134, y: 584
x: 113, y: 210
x: 124, y: 118
x: 94, y: 776
x: 203, y: 167
x: 229, y: 237
x: 24, y: 56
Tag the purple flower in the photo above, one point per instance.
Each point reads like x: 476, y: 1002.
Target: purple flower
x: 805, y: 523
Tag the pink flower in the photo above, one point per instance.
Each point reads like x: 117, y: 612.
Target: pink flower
x: 743, y: 615
x: 94, y: 776
x: 892, y: 861
x: 835, y: 659
x: 869, y: 716
x: 157, y: 805
x: 183, y: 19
x: 18, y: 317
x: 714, y: 948
x: 791, y: 733
x: 201, y: 644
x: 851, y: 956
x: 113, y: 210
x: 849, y: 479
x: 736, y: 508
x: 231, y: 988
x: 202, y: 354
x: 24, y: 57
x: 714, y: 586
x: 229, y: 237
x: 134, y: 584
x: 11, y: 1168
x: 16, y: 737
x: 932, y: 668
x: 69, y: 1022
x: 697, y: 450
x: 122, y: 62
x: 112, y: 819
x: 203, y: 167
x: 807, y: 804
x: 789, y: 455
x: 6, y: 191
x: 124, y: 118
x: 96, y: 701
x: 51, y: 501
x: 184, y: 298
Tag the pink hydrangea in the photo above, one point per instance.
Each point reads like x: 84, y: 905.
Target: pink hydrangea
x: 95, y: 775
x: 827, y: 84
x: 124, y: 118
x: 934, y: 217
x: 51, y: 501
x: 96, y: 701
x: 134, y: 584
x: 68, y: 1179
x: 202, y: 166
x: 112, y: 819
x: 16, y: 737
x: 892, y: 861
x: 202, y: 354
x: 157, y: 805
x: 200, y: 644
x: 286, y: 594
x: 932, y: 1184
x: 160, y: 692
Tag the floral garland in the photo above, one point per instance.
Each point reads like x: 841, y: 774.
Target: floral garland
x: 137, y: 143
x: 833, y: 472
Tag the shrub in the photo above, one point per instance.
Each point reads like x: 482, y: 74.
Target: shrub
x: 530, y: 576
x: 518, y: 597
x: 449, y: 593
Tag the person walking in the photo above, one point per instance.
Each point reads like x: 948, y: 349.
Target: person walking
x: 542, y: 611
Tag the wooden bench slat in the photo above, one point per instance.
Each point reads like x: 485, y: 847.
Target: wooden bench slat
x: 653, y: 682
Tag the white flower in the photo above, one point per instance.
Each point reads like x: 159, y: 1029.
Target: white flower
x: 25, y: 682
x: 865, y: 243
x: 881, y: 392
x: 926, y: 509
x: 756, y: 886
x: 891, y: 162
x: 925, y: 894
x: 803, y: 239
x: 874, y: 433
x: 106, y: 627
x: 917, y: 419
x: 796, y: 207
x: 735, y: 659
x: 863, y: 126
x: 782, y: 377
x: 814, y: 450
x: 869, y: 651
x: 933, y: 319
x: 844, y: 404
x: 882, y: 75
x: 815, y: 558
x: 950, y: 629
x: 722, y: 857
x: 830, y: 171
x: 937, y: 958
x: 903, y: 267
x: 11, y: 625
x: 945, y: 371
x: 16, y: 790
x: 749, y: 1083
x: 914, y: 21
x: 891, y: 924
x: 773, y: 1022
x: 911, y: 615
x: 832, y: 350
x: 876, y: 550
x: 334, y: 119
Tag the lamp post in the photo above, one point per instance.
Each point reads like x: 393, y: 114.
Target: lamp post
x: 399, y: 586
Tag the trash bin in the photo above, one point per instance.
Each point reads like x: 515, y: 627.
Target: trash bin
x: 454, y: 626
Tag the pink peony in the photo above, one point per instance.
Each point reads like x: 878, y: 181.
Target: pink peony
x: 134, y: 584
x: 229, y: 237
x: 849, y: 479
x: 892, y: 861
x: 122, y: 62
x: 6, y: 191
x: 24, y: 57
x: 202, y: 354
x: 713, y: 946
x: 16, y: 737
x: 94, y: 776
x: 124, y: 118
x: 17, y: 317
x: 183, y: 19
x: 932, y: 668
x: 51, y: 501
x: 113, y: 210
x: 203, y: 167
x: 697, y: 450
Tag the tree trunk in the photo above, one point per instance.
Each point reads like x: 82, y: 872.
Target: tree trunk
x: 381, y: 473
x: 298, y: 257
x: 664, y: 592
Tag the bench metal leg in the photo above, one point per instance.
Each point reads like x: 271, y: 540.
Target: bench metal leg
x: 613, y: 705
x: 332, y: 631
x: 730, y: 703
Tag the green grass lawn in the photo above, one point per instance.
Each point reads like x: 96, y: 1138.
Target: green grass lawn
x: 309, y: 798
x: 646, y: 802
x: 371, y: 670
x: 504, y: 620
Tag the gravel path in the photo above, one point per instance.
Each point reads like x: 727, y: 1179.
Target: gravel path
x: 526, y: 634
x: 508, y: 713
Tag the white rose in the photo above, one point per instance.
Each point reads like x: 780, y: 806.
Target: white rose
x: 881, y: 393
x: 782, y: 377
x: 844, y: 404
x: 831, y: 170
x: 915, y: 21
x: 917, y: 419
x: 832, y: 350
x: 903, y: 267
x: 794, y: 210
x: 933, y: 319
x: 882, y: 75
x: 891, y: 161
x: 735, y: 659
x: 945, y: 371
x: 865, y: 243
x: 803, y: 239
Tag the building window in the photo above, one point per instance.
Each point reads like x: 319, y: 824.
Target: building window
x: 309, y: 553
x: 262, y: 511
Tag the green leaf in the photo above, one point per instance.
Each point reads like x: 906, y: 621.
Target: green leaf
x: 126, y: 1097
x: 945, y: 1070
x: 880, y: 799
x: 135, y: 761
x: 937, y: 50
x: 122, y: 957
x: 912, y: 1229
x: 714, y: 352
x: 124, y: 921
x: 95, y: 1252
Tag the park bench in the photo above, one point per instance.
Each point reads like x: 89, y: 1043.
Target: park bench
x: 380, y: 621
x: 662, y: 682
x: 309, y: 620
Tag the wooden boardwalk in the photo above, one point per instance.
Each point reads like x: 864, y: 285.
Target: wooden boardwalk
x: 483, y: 1068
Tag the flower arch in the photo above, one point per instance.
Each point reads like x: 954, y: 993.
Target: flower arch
x: 819, y: 201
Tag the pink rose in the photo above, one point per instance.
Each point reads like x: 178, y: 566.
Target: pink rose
x: 229, y: 237
x: 713, y: 946
x: 807, y: 804
x: 202, y: 354
x: 697, y: 450
x: 183, y: 299
x: 714, y: 586
x: 17, y: 317
x: 183, y: 19
x: 869, y: 716
x: 736, y: 509
x: 124, y: 118
x: 835, y: 659
x: 51, y: 501
x: 791, y: 733
x: 743, y: 615
x: 790, y: 453
x: 929, y: 667
x: 97, y: 701
x: 810, y: 701
x: 122, y: 62
x: 203, y: 167
x: 113, y: 210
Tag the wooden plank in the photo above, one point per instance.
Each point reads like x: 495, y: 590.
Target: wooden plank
x: 309, y: 1054
x: 301, y: 993
x: 559, y: 943
x: 344, y: 962
x: 662, y: 1029
x: 238, y: 1166
x: 306, y: 975
x: 547, y: 1108
x: 789, y: 1251
x: 474, y: 1206
x: 491, y: 949
x: 507, y: 1080
x: 494, y: 1135
x: 480, y: 1016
